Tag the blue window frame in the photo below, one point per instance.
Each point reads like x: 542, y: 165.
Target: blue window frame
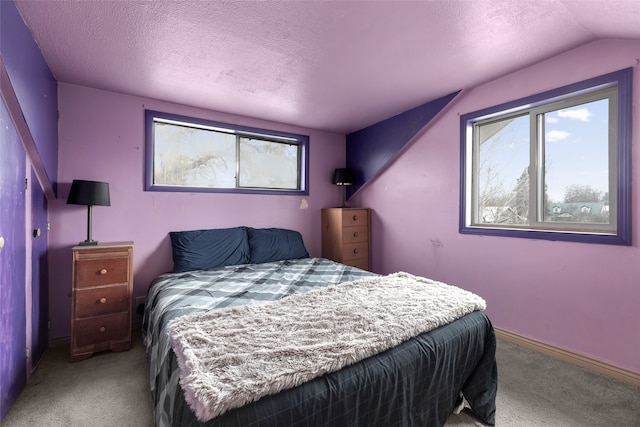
x: 553, y: 166
x: 187, y: 154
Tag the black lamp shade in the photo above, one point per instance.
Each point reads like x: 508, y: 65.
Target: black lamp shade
x: 343, y: 176
x: 89, y: 193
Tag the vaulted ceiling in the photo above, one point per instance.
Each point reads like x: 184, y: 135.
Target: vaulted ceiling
x: 332, y: 65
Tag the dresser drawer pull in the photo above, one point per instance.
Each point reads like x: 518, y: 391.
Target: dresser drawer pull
x: 355, y: 234
x: 103, y: 300
x: 103, y: 271
x: 102, y: 328
x: 355, y: 251
x: 355, y: 217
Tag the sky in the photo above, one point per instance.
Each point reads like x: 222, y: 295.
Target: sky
x: 576, y: 149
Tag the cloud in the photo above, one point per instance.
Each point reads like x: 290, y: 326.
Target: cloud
x: 581, y: 114
x: 556, y: 135
x: 552, y: 119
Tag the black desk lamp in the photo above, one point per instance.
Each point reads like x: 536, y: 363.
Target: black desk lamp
x: 343, y: 177
x: 89, y: 193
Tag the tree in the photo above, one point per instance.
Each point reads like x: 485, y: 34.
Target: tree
x: 582, y: 194
x: 521, y: 202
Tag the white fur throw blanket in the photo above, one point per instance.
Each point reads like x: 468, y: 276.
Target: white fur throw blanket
x: 234, y: 356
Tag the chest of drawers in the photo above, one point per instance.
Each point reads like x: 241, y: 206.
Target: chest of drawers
x: 346, y: 236
x: 101, y: 298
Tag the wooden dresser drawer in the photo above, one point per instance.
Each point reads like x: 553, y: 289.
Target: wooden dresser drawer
x: 362, y: 263
x: 355, y: 217
x: 355, y: 234
x: 103, y: 271
x: 102, y: 300
x: 95, y: 330
x: 356, y: 251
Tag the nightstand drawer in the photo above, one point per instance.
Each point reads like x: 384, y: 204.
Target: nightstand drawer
x: 362, y: 264
x: 355, y: 234
x: 102, y: 300
x: 102, y: 271
x: 95, y: 330
x: 354, y: 217
x: 355, y: 251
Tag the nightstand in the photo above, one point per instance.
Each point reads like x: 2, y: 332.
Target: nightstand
x: 101, y: 292
x: 345, y: 236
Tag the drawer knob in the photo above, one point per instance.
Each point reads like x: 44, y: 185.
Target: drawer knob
x: 103, y: 300
x: 103, y: 271
x: 355, y: 251
x: 102, y: 328
x: 355, y: 234
x: 355, y: 217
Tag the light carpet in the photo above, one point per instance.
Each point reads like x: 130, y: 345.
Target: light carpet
x: 112, y: 390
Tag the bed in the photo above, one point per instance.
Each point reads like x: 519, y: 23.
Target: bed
x: 418, y: 382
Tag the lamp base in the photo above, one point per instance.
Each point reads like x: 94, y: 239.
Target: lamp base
x: 88, y: 243
x: 343, y: 189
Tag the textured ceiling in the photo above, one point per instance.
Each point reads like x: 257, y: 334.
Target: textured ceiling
x: 337, y: 66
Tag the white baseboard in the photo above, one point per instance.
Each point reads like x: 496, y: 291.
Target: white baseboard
x: 628, y: 376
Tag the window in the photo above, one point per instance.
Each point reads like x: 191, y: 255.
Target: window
x: 195, y: 155
x: 553, y: 166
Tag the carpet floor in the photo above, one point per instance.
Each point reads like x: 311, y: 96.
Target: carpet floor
x: 112, y: 389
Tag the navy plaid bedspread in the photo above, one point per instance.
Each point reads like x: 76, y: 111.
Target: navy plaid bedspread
x: 416, y: 383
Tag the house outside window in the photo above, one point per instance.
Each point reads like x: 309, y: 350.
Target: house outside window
x: 552, y: 166
x: 196, y: 155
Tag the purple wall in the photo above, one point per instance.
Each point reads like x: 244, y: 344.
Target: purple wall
x: 31, y: 98
x: 369, y: 149
x: 102, y: 138
x: 35, y: 87
x: 13, y: 365
x: 580, y: 297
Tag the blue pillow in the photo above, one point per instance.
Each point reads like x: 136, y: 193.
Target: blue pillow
x: 275, y: 244
x: 204, y: 249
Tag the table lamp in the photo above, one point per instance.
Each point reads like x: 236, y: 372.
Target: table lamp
x: 89, y: 193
